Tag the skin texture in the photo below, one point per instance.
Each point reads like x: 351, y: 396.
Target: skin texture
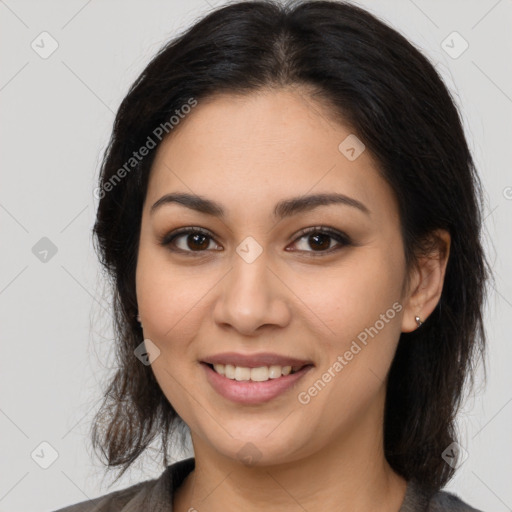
x: 247, y: 153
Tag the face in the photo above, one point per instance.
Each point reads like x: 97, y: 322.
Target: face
x: 319, y: 283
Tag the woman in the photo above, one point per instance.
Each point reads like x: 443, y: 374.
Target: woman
x: 290, y: 216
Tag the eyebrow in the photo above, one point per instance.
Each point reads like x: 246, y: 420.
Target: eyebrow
x: 284, y: 208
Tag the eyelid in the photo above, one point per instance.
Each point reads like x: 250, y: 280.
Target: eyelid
x: 339, y: 236
x: 322, y: 229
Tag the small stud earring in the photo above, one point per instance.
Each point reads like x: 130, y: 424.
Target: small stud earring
x: 418, y: 320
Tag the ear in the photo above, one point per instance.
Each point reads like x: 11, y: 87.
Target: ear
x: 426, y: 282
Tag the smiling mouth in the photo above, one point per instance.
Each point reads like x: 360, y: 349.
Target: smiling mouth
x: 259, y: 374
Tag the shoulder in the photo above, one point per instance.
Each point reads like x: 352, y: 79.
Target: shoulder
x: 113, y: 501
x: 446, y: 501
x: 154, y: 495
x: 418, y: 498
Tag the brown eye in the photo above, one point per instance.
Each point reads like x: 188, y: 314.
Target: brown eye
x: 316, y: 240
x: 197, y: 241
x: 320, y: 239
x: 188, y: 241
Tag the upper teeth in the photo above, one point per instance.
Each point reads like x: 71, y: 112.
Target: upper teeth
x: 260, y: 374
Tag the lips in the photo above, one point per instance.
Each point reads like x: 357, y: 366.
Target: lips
x: 249, y: 392
x: 256, y: 360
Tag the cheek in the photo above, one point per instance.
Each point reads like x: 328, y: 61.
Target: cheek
x: 172, y: 298
x: 350, y: 296
x: 170, y: 305
x: 362, y: 313
x: 161, y: 298
x: 358, y: 305
x: 169, y: 300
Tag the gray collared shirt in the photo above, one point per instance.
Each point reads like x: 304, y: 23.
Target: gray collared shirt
x: 156, y: 496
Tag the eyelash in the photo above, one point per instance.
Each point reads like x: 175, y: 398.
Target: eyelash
x: 340, y: 237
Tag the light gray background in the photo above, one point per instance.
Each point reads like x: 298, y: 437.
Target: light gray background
x: 55, y: 325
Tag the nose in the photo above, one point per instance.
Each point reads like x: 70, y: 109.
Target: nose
x: 252, y: 297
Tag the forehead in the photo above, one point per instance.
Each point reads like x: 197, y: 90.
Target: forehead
x: 262, y: 147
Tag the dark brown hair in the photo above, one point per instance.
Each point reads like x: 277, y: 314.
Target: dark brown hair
x: 391, y: 96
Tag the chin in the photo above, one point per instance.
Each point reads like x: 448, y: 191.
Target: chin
x: 263, y: 445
